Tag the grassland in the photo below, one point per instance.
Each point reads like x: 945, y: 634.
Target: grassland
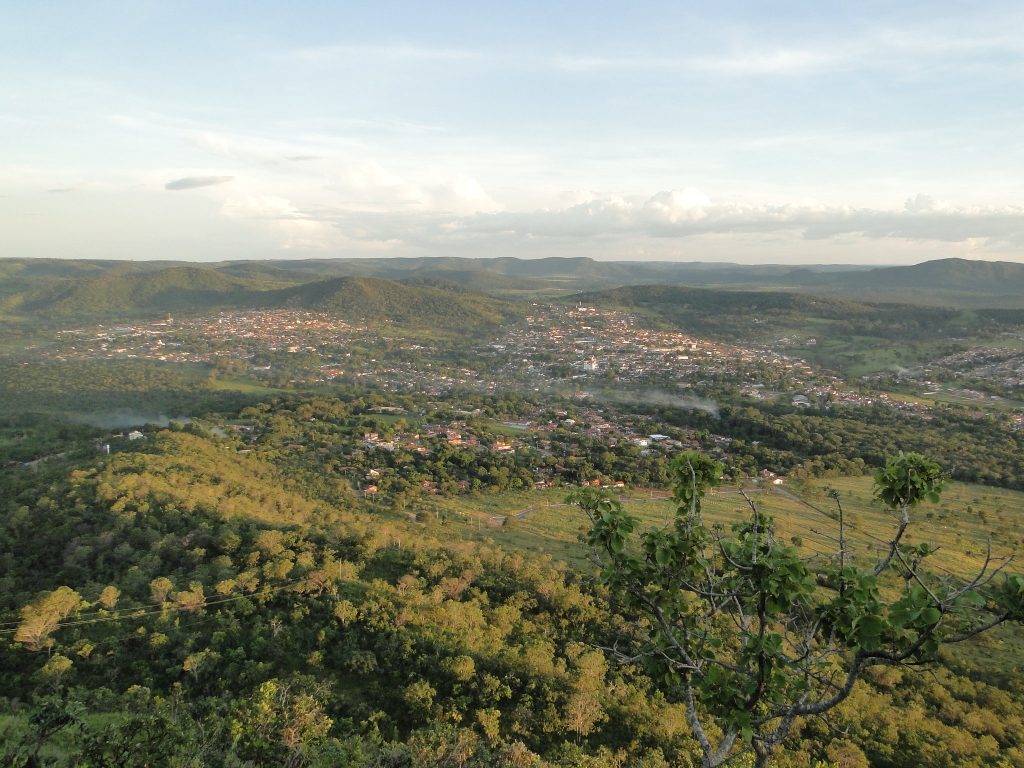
x: 539, y: 522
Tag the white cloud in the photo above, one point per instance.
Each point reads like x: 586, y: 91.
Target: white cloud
x: 778, y: 61
x: 292, y: 229
x: 688, y: 213
x: 880, y: 48
x: 195, y: 182
x: 677, y: 205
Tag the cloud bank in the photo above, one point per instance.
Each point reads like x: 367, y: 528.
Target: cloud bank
x: 194, y: 182
x: 681, y: 214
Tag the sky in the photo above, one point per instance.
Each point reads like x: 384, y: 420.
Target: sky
x: 751, y: 132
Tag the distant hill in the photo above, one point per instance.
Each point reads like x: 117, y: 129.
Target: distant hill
x: 506, y: 275
x: 114, y: 293
x: 742, y: 311
x: 369, y: 299
x: 726, y: 313
x: 942, y: 282
x: 960, y: 282
x: 480, y: 281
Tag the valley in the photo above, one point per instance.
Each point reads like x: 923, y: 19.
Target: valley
x: 349, y: 494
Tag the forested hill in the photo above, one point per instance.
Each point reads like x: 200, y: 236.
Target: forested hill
x: 230, y: 598
x: 434, y: 304
x: 116, y: 295
x: 755, y: 314
x: 942, y: 281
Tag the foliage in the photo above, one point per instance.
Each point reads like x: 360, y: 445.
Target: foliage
x: 222, y: 576
x: 750, y: 636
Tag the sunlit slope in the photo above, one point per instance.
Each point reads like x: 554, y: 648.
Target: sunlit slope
x: 961, y: 525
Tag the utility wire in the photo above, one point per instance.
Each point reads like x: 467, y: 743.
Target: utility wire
x: 136, y: 613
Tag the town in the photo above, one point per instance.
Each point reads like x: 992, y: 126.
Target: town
x: 573, y: 350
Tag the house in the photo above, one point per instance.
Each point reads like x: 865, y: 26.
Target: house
x: 136, y: 435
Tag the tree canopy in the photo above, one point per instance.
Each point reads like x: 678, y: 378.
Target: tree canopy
x: 750, y: 636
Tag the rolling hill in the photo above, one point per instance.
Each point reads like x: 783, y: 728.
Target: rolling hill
x: 852, y: 337
x: 725, y: 313
x: 367, y: 299
x: 941, y: 282
x: 954, y: 282
x: 115, y: 295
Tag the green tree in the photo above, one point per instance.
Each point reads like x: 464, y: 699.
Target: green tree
x: 279, y: 724
x: 750, y: 636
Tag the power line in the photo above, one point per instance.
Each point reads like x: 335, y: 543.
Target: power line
x: 137, y: 613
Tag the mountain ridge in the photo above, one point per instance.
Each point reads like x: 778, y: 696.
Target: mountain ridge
x: 31, y: 283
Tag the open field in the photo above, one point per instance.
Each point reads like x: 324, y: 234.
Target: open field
x: 539, y: 521
x: 240, y: 384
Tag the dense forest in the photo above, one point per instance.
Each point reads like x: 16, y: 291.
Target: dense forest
x: 119, y: 294
x: 199, y: 599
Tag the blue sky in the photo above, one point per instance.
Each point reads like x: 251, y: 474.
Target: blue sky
x: 750, y: 132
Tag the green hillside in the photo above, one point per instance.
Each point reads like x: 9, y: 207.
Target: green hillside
x: 425, y: 304
x: 849, y: 336
x: 113, y: 294
x: 954, y: 282
x: 238, y: 601
x: 754, y: 315
x: 540, y: 522
x: 941, y: 282
x: 365, y: 299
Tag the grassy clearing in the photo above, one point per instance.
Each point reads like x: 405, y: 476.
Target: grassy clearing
x: 247, y: 386
x: 952, y: 396
x: 538, y: 521
x: 960, y: 526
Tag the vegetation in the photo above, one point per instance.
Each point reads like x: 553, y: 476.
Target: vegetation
x: 342, y: 538
x: 424, y: 305
x: 947, y: 282
x: 848, y: 336
x: 747, y: 634
x: 188, y: 601
x: 119, y: 295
